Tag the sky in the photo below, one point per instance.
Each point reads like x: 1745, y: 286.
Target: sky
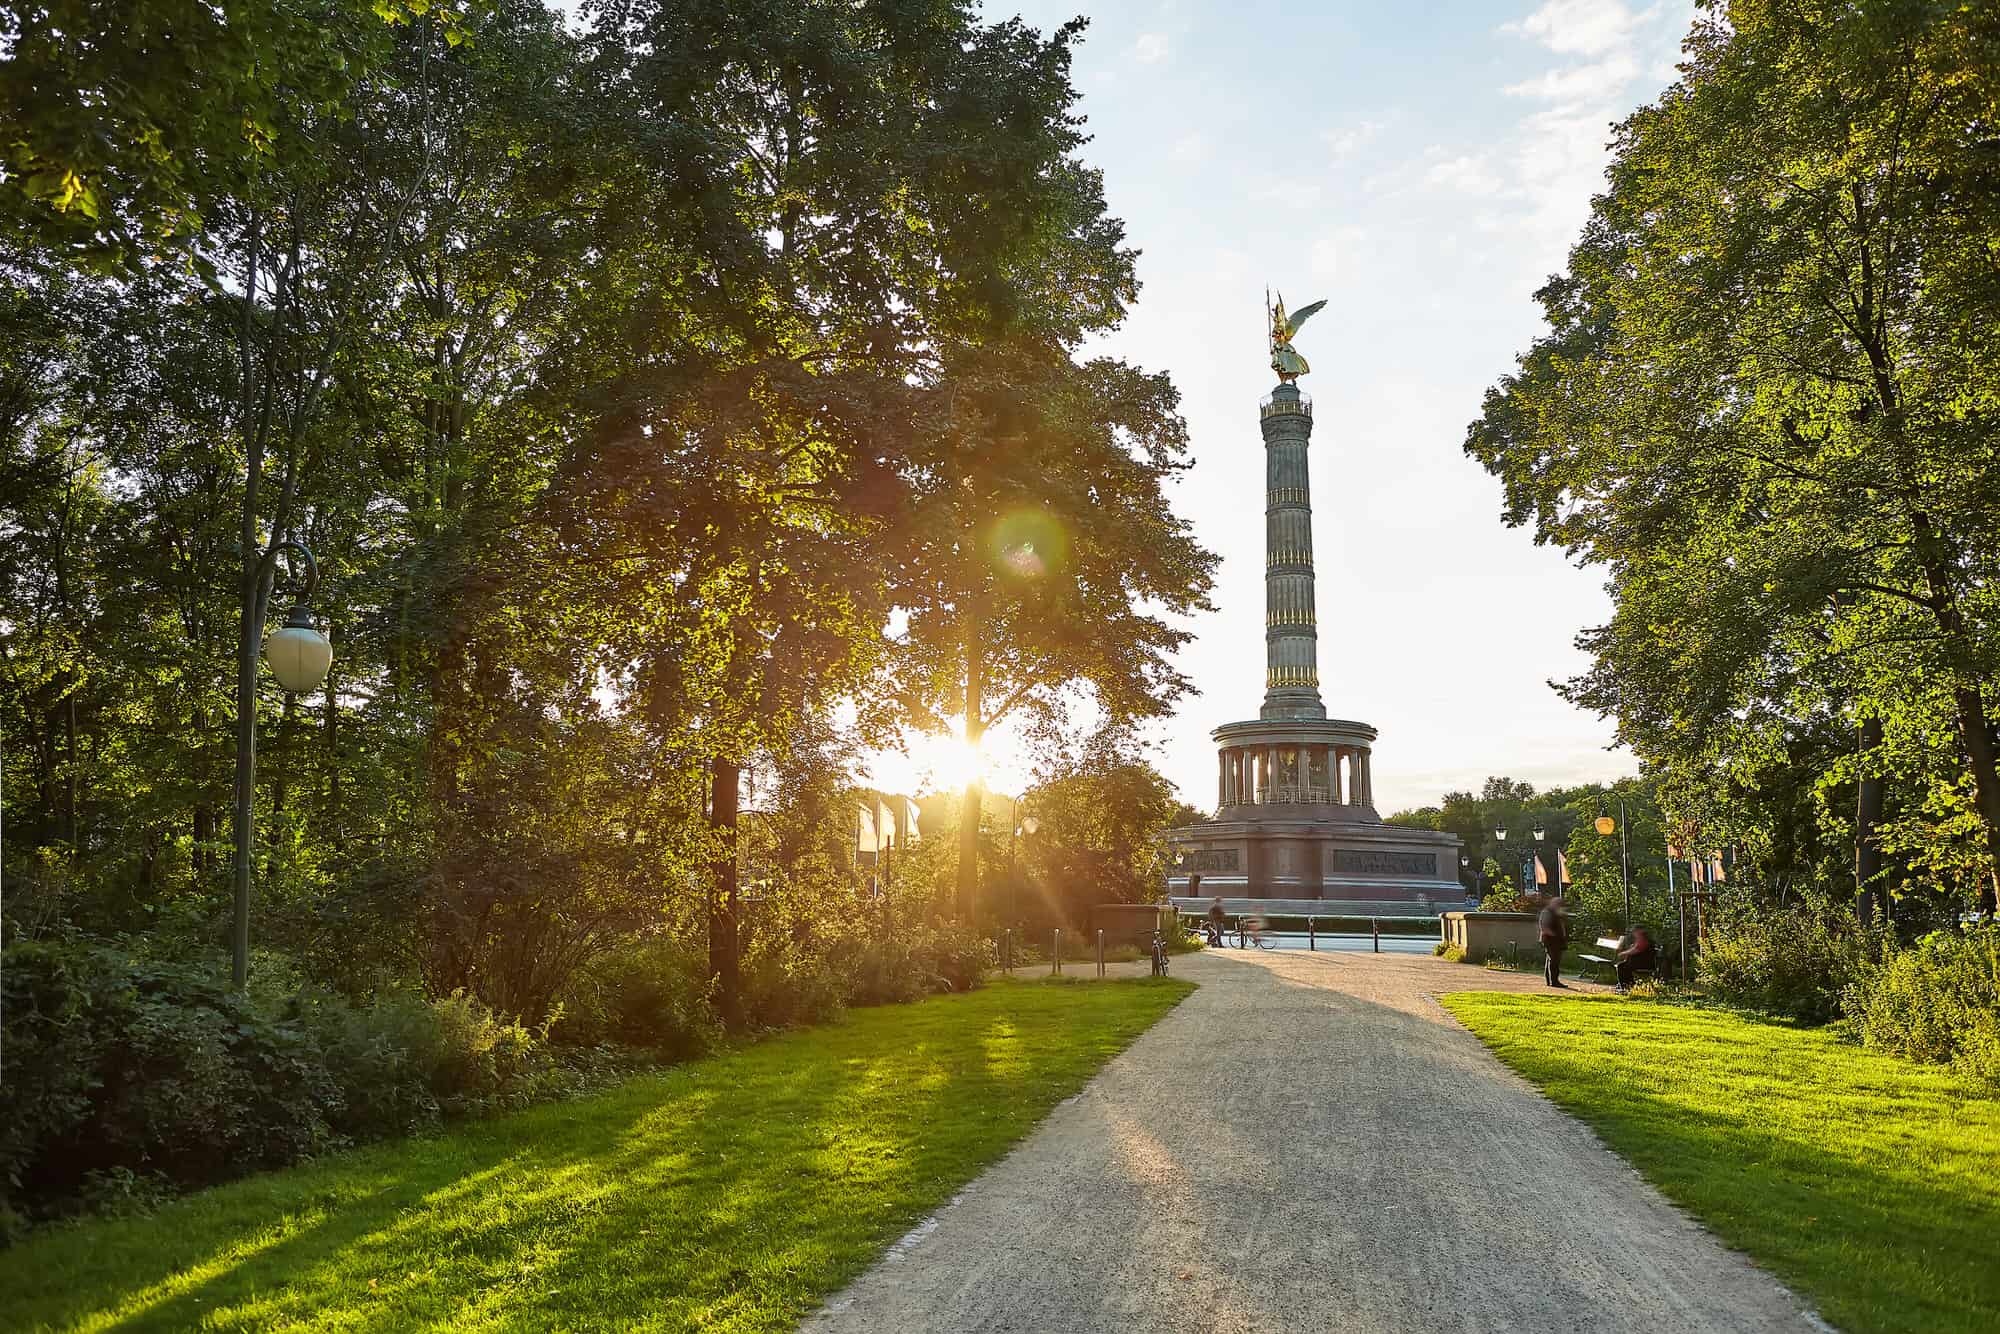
x: 1425, y: 168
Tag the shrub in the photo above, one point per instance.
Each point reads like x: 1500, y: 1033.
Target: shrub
x: 654, y: 995
x: 129, y: 1077
x: 1794, y: 962
x: 1938, y: 1001
x: 118, y: 1064
x: 786, y: 985
x: 1449, y: 952
x: 381, y: 1056
x: 881, y: 968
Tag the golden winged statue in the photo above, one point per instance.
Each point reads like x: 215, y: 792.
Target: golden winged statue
x: 1287, y: 363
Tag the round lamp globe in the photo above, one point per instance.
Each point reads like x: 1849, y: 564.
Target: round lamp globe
x: 299, y: 656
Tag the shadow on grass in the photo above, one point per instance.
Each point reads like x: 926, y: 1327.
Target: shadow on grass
x: 1866, y: 1182
x: 730, y: 1193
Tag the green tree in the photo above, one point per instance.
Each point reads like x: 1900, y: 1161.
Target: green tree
x: 1767, y: 405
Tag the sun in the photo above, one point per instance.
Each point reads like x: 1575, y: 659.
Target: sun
x: 946, y: 762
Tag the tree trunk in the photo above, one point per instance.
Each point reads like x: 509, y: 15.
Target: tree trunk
x: 1869, y: 902
x: 975, y: 732
x: 1976, y: 730
x: 723, y: 960
x: 69, y: 770
x: 204, y: 841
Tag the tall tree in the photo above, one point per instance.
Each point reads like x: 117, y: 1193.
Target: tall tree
x: 1768, y: 404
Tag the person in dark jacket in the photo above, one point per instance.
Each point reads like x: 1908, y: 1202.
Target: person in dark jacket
x: 1553, y: 924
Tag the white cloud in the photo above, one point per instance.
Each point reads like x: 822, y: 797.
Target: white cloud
x: 1345, y: 141
x: 1194, y: 146
x: 1469, y: 172
x: 1151, y: 48
x: 1580, y: 27
x: 1579, y: 83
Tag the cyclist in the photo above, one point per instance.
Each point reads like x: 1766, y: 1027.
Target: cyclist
x: 1218, y: 922
x: 1250, y: 931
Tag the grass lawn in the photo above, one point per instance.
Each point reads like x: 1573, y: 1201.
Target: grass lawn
x: 1870, y: 1185
x: 730, y: 1194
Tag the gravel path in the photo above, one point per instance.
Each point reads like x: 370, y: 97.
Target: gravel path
x: 1311, y: 1142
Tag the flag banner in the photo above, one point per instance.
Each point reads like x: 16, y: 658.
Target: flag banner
x: 1674, y: 854
x: 1562, y: 866
x: 1695, y: 873
x: 1541, y: 874
x: 1715, y: 875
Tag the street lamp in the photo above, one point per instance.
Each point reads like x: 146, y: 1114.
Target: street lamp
x: 1540, y: 834
x: 1021, y: 827
x: 299, y: 656
x: 1607, y: 826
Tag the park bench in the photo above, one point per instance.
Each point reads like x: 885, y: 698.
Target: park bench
x: 1612, y: 944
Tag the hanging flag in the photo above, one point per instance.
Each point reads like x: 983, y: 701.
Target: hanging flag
x: 1715, y: 875
x: 1562, y: 866
x: 1541, y: 875
x: 1695, y: 873
x: 1674, y: 854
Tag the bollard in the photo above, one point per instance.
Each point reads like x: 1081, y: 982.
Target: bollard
x: 1100, y: 952
x: 1312, y: 933
x: 1375, y: 924
x: 1007, y: 950
x: 1055, y: 954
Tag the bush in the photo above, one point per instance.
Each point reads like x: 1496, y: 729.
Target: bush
x: 884, y: 968
x: 118, y: 1064
x: 382, y: 1056
x: 1793, y: 962
x: 654, y: 995
x: 1938, y: 1002
x: 129, y: 1077
x: 787, y: 985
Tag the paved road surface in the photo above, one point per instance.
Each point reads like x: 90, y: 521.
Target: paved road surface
x: 1310, y: 1142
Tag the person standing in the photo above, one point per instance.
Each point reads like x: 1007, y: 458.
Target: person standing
x: 1553, y: 924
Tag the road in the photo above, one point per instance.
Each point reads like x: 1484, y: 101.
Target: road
x: 1311, y: 1142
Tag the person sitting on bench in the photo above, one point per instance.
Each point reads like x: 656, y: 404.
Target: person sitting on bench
x: 1636, y: 957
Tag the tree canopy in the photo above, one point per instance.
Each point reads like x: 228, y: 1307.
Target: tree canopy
x: 657, y: 393
x: 1767, y: 406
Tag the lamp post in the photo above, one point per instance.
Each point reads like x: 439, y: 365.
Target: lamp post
x: 1540, y: 834
x: 1465, y: 864
x: 1606, y: 826
x: 299, y: 656
x: 1500, y: 836
x: 1021, y: 828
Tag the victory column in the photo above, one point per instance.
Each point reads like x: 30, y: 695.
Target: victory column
x: 1295, y: 823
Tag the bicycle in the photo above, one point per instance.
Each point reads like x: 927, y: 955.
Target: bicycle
x: 1159, y: 955
x: 1252, y: 939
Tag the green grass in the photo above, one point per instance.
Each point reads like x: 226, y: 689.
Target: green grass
x: 1868, y: 1184
x: 729, y: 1194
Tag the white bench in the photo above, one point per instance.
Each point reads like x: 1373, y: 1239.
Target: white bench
x: 1610, y: 943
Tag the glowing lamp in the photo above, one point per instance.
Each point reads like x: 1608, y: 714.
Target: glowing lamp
x: 1606, y: 825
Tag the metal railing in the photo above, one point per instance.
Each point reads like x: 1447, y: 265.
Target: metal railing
x: 1302, y: 406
